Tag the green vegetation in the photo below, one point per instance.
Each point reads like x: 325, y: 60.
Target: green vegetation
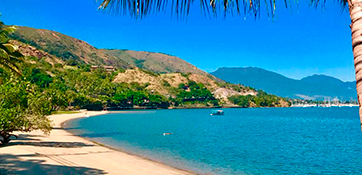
x: 236, y: 87
x: 74, y: 52
x: 26, y: 100
x: 149, y: 72
x: 22, y: 107
x: 262, y: 99
x: 64, y: 112
x: 186, y: 75
x: 166, y: 84
x: 76, y: 88
x: 61, y: 51
x: 194, y: 94
x: 139, y: 63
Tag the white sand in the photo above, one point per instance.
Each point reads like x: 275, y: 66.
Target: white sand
x: 64, y: 153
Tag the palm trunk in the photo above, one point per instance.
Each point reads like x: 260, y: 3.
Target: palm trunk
x: 355, y: 10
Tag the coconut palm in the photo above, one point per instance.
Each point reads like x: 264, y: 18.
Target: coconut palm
x: 141, y: 8
x: 9, y: 53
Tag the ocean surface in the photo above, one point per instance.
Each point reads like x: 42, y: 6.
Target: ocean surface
x: 242, y: 141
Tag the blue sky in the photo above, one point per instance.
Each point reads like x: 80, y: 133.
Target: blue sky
x: 299, y: 42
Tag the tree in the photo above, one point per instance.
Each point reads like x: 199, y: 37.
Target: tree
x: 22, y: 109
x: 140, y: 9
x: 42, y: 79
x: 22, y: 106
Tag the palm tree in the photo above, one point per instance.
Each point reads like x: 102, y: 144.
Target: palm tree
x: 9, y: 53
x: 141, y: 8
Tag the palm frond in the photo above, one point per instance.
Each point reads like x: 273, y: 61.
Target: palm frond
x: 8, y: 30
x: 9, y: 62
x: 4, y: 33
x: 1, y: 23
x: 181, y: 8
x: 10, y: 47
x: 10, y: 55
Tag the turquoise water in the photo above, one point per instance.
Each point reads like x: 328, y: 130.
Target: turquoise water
x: 242, y: 141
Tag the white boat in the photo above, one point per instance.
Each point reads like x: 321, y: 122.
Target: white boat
x: 217, y: 112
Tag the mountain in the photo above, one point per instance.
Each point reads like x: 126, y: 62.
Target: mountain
x: 315, y: 87
x: 73, y: 51
x: 52, y: 54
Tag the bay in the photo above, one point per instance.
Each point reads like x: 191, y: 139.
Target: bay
x: 242, y: 141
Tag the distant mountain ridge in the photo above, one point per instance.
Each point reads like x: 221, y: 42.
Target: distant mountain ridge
x: 315, y: 87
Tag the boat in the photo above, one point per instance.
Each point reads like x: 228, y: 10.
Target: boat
x: 217, y: 112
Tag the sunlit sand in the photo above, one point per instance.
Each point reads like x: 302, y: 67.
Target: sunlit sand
x: 64, y: 153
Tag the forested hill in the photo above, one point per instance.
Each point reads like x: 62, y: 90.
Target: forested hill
x: 76, y: 73
x: 315, y: 87
x: 73, y: 51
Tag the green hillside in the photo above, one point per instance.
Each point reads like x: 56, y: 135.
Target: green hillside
x: 74, y: 52
x: 62, y: 66
x: 71, y: 50
x: 156, y: 62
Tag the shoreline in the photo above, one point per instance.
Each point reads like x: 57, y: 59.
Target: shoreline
x: 115, y: 149
x: 175, y: 108
x: 64, y: 153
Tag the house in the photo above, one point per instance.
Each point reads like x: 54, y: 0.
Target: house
x: 107, y: 68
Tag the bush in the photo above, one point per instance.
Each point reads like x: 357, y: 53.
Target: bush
x: 22, y: 109
x: 262, y: 99
x: 165, y: 83
x: 58, y: 65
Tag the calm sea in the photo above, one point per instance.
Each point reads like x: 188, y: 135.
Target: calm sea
x: 243, y: 141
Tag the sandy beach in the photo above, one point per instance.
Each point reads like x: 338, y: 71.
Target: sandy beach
x: 64, y: 153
